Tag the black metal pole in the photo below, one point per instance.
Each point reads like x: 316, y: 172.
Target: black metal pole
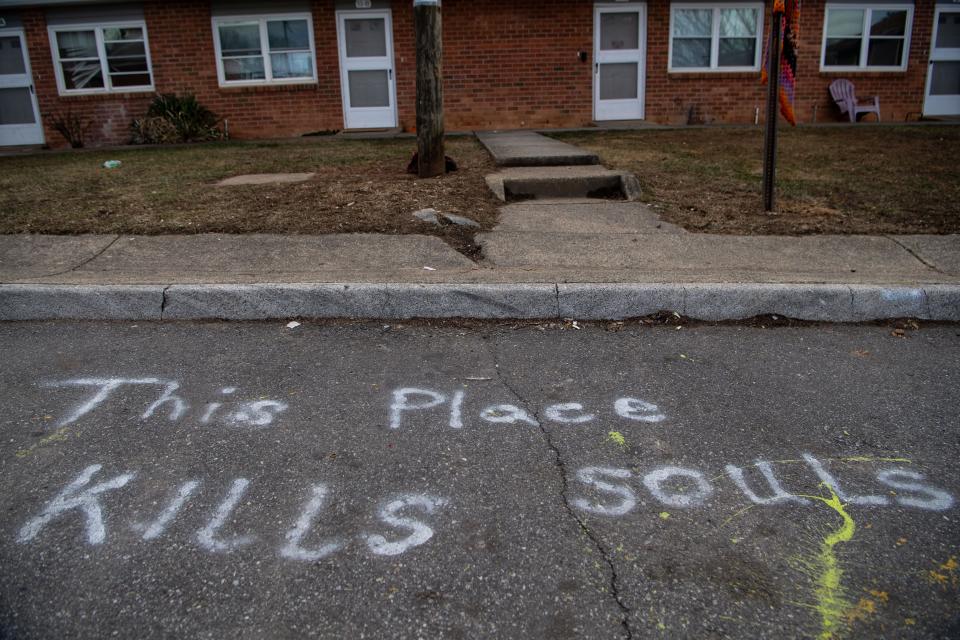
x: 770, y: 137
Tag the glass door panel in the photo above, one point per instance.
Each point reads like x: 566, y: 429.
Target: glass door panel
x: 19, y: 115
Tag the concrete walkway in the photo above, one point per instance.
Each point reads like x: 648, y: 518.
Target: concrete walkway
x: 545, y: 260
x: 531, y: 149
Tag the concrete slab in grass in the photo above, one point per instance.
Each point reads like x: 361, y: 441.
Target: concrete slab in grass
x: 387, y: 301
x: 25, y: 256
x: 830, y: 303
x: 70, y: 302
x: 265, y: 178
x: 617, y: 301
x: 941, y: 252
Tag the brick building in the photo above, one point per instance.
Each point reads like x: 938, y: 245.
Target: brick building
x: 289, y: 67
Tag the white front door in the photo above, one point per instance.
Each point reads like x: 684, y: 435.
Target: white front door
x: 19, y: 113
x: 619, y: 52
x: 943, y: 74
x: 366, y: 69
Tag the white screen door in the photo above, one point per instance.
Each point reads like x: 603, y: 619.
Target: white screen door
x: 943, y: 75
x: 366, y: 69
x: 19, y: 115
x: 619, y: 43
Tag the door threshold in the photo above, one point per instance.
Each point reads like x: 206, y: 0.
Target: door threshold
x: 623, y: 124
x: 391, y: 132
x: 17, y: 149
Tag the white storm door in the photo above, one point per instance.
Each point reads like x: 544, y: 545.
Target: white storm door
x: 366, y: 69
x: 619, y: 43
x: 19, y: 113
x: 943, y: 75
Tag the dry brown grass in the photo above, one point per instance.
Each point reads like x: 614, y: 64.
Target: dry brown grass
x: 830, y: 179
x: 360, y: 186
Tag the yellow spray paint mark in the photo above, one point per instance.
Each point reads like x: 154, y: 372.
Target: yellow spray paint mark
x: 865, y: 608
x: 664, y: 515
x: 58, y: 436
x: 617, y: 439
x: 945, y: 575
x: 831, y: 604
x: 882, y: 596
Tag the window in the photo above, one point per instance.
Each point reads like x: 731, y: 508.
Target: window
x: 264, y: 49
x: 715, y: 37
x: 102, y: 58
x: 866, y: 37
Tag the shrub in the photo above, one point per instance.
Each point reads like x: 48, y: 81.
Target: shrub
x: 71, y: 126
x: 153, y: 131
x: 172, y: 118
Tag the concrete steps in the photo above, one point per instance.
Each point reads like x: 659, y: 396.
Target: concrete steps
x: 579, y: 181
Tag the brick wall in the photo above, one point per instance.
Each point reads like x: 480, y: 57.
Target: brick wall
x: 507, y: 63
x: 901, y: 92
x: 677, y: 98
x: 183, y: 59
x: 510, y: 63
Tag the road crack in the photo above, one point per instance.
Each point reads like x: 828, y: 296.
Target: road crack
x: 561, y: 467
x: 163, y: 300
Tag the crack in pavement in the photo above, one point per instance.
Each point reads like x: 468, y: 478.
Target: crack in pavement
x: 913, y: 253
x: 565, y: 492
x: 83, y: 262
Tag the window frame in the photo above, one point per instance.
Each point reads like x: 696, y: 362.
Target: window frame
x: 715, y: 37
x: 261, y: 19
x: 98, y: 29
x: 868, y: 9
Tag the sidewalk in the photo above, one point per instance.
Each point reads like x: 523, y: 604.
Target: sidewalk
x: 554, y: 273
x: 581, y: 256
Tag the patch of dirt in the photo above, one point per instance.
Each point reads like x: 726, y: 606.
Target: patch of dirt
x: 836, y: 180
x: 360, y: 186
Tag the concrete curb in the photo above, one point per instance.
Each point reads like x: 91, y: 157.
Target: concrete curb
x: 80, y: 302
x: 721, y: 301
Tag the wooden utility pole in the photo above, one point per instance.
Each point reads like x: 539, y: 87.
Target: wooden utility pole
x: 426, y: 24
x: 773, y: 97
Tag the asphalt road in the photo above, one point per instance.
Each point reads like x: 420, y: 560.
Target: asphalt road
x: 369, y: 480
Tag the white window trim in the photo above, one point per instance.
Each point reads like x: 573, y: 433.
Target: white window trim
x: 261, y: 19
x: 715, y: 37
x: 97, y: 28
x: 867, y: 9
